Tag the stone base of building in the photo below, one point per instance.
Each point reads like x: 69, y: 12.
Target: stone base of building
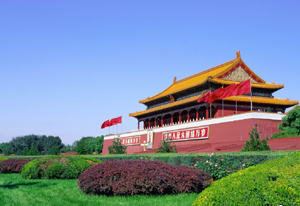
x: 222, y: 134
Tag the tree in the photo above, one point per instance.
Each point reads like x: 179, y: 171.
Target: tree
x: 99, y: 144
x: 166, y: 147
x: 117, y: 147
x: 88, y: 145
x: 21, y: 145
x: 4, y: 148
x: 255, y: 143
x: 54, y: 150
x: 269, y: 109
x: 291, y: 122
x: 33, y: 150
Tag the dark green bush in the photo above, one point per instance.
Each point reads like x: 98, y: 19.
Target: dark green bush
x: 276, y: 182
x: 57, y: 167
x: 117, y: 147
x: 283, y: 135
x: 255, y: 143
x: 166, y: 147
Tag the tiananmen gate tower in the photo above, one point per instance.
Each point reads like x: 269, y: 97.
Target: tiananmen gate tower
x: 174, y: 114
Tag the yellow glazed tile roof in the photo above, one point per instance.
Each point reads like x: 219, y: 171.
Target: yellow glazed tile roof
x: 242, y: 98
x: 203, y: 76
x: 191, y: 81
x: 173, y: 104
x: 256, y: 85
x: 264, y: 100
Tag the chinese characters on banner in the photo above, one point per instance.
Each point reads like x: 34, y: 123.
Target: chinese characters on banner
x: 131, y: 140
x: 188, y: 134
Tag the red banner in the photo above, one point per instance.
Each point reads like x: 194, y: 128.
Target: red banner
x: 189, y: 134
x: 232, y: 90
x: 105, y: 124
x: 228, y: 91
x: 243, y: 88
x: 215, y: 95
x: 117, y: 120
x: 130, y: 140
x: 204, y: 98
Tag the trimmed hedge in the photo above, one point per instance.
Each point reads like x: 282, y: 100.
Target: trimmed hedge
x: 276, y: 182
x: 12, y: 165
x: 2, y: 158
x: 57, y: 167
x: 191, y: 158
x: 129, y: 177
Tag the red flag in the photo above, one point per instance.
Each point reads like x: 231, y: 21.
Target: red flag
x: 228, y: 91
x: 204, y: 97
x: 215, y: 95
x: 105, y: 124
x: 117, y: 120
x: 243, y: 88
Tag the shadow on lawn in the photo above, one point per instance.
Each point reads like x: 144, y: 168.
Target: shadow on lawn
x: 15, y: 186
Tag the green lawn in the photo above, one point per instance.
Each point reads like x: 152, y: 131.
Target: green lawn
x: 14, y: 191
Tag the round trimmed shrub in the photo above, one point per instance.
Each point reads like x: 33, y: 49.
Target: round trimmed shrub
x: 131, y: 177
x: 12, y: 165
x: 57, y: 167
x: 275, y: 182
x: 2, y: 158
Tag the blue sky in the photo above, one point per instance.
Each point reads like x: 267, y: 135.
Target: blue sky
x: 66, y: 66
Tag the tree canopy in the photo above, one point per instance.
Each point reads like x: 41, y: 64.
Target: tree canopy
x: 290, y: 126
x: 88, y: 145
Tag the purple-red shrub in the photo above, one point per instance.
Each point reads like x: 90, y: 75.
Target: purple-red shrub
x: 130, y: 177
x: 12, y: 165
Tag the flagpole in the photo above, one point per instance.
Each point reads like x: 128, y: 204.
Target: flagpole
x: 222, y: 107
x: 251, y: 95
x: 236, y: 104
x: 210, y: 111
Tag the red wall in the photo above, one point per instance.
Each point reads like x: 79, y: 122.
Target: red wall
x: 218, y: 133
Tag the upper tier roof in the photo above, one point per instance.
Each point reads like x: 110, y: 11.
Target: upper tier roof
x: 228, y: 73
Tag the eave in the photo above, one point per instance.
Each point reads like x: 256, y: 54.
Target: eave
x: 243, y: 98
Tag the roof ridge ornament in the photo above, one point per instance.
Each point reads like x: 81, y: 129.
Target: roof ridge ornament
x: 174, y: 81
x: 238, y: 54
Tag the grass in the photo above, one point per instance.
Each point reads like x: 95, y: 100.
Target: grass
x: 14, y: 191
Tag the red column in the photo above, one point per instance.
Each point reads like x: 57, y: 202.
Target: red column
x: 162, y: 121
x: 171, y: 118
x: 197, y: 115
x: 155, y: 122
x: 179, y: 117
x: 188, y: 116
x: 144, y: 124
x: 207, y: 112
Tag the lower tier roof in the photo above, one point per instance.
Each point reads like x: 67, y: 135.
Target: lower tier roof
x: 243, y: 98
